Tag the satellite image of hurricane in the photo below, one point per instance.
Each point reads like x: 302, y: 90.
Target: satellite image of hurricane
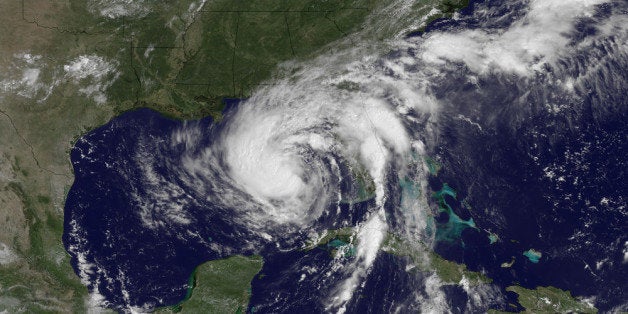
x: 410, y: 157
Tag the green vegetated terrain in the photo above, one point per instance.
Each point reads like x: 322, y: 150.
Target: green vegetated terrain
x: 423, y: 258
x: 176, y: 57
x: 220, y: 286
x: 225, y: 50
x: 427, y: 261
x: 550, y: 300
x: 338, y: 242
x: 539, y: 300
x: 346, y: 235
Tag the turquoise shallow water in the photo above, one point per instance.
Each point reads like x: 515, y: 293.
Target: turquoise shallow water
x: 450, y: 230
x: 533, y: 255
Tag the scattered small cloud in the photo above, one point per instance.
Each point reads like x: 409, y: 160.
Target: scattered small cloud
x: 95, y: 73
x: 539, y: 37
x: 7, y: 256
x: 113, y: 9
x: 23, y: 77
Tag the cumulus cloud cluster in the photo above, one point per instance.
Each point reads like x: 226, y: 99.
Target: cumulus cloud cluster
x: 539, y: 37
x: 94, y: 73
x: 277, y: 159
x: 367, y: 122
x: 119, y: 8
x: 23, y: 77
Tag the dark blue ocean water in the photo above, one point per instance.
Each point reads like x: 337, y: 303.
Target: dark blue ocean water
x: 152, y: 265
x: 553, y: 182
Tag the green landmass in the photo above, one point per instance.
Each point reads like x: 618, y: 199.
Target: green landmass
x: 550, y: 300
x: 171, y: 60
x: 427, y: 260
x: 362, y: 187
x: 339, y: 242
x: 345, y: 234
x: 365, y: 186
x: 226, y: 50
x: 445, y: 10
x: 180, y: 61
x: 539, y: 300
x: 421, y: 255
x: 220, y: 286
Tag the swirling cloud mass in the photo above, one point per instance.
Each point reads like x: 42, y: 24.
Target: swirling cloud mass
x: 280, y: 161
